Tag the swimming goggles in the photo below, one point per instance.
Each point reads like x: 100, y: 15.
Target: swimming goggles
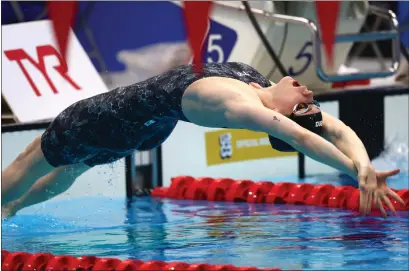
x: 302, y: 108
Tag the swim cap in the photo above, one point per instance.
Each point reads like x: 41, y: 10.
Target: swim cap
x: 312, y: 122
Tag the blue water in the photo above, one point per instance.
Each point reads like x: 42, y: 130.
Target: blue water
x: 242, y: 234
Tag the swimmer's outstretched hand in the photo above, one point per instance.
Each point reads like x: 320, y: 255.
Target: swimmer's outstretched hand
x: 374, y: 189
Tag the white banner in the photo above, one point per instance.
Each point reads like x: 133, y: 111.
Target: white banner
x: 37, y: 83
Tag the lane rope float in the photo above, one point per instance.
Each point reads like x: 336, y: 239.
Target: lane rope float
x: 226, y: 189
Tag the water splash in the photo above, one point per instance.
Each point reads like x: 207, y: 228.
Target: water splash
x: 395, y: 155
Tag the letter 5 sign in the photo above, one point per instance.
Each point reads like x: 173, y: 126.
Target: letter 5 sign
x: 37, y: 82
x: 219, y: 43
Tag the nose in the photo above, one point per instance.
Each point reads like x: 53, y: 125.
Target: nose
x: 307, y: 92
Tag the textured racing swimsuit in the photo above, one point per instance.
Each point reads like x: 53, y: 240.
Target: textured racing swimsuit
x: 112, y: 125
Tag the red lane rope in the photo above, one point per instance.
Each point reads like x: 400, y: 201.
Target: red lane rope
x: 13, y: 261
x: 225, y: 189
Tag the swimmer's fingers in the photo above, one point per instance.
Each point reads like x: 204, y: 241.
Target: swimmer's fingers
x: 365, y: 202
x: 390, y: 173
x: 380, y: 206
x: 395, y: 196
x: 363, y: 187
x: 389, y: 204
x: 362, y: 201
x: 369, y: 203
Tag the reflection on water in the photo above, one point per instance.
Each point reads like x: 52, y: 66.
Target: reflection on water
x: 242, y: 234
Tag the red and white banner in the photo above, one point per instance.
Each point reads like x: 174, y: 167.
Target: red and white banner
x: 37, y: 82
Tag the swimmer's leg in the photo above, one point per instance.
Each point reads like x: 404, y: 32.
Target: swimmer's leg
x: 45, y: 188
x: 20, y: 175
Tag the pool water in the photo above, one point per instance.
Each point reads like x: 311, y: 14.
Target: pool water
x: 242, y: 234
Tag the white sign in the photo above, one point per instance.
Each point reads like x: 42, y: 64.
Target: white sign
x: 37, y: 83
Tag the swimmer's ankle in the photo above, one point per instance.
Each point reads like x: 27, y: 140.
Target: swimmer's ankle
x: 9, y: 210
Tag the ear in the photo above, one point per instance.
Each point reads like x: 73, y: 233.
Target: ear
x: 255, y: 85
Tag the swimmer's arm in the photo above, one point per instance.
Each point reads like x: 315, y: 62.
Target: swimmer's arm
x: 259, y: 118
x: 345, y: 139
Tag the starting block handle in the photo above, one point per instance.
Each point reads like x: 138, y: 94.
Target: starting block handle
x: 393, y: 35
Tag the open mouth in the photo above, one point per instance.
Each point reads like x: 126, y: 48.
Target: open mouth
x: 296, y: 84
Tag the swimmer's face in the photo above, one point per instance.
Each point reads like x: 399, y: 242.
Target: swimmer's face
x: 287, y: 93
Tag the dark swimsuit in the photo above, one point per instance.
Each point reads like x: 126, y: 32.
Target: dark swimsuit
x: 112, y: 125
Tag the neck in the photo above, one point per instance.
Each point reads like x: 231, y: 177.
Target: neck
x: 267, y: 98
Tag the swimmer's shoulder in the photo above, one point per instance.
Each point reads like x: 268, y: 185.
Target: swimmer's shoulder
x: 233, y: 76
x: 220, y: 89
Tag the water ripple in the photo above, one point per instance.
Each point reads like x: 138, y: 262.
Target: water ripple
x: 288, y: 237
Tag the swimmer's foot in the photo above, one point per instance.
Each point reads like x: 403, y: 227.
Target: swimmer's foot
x: 9, y: 210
